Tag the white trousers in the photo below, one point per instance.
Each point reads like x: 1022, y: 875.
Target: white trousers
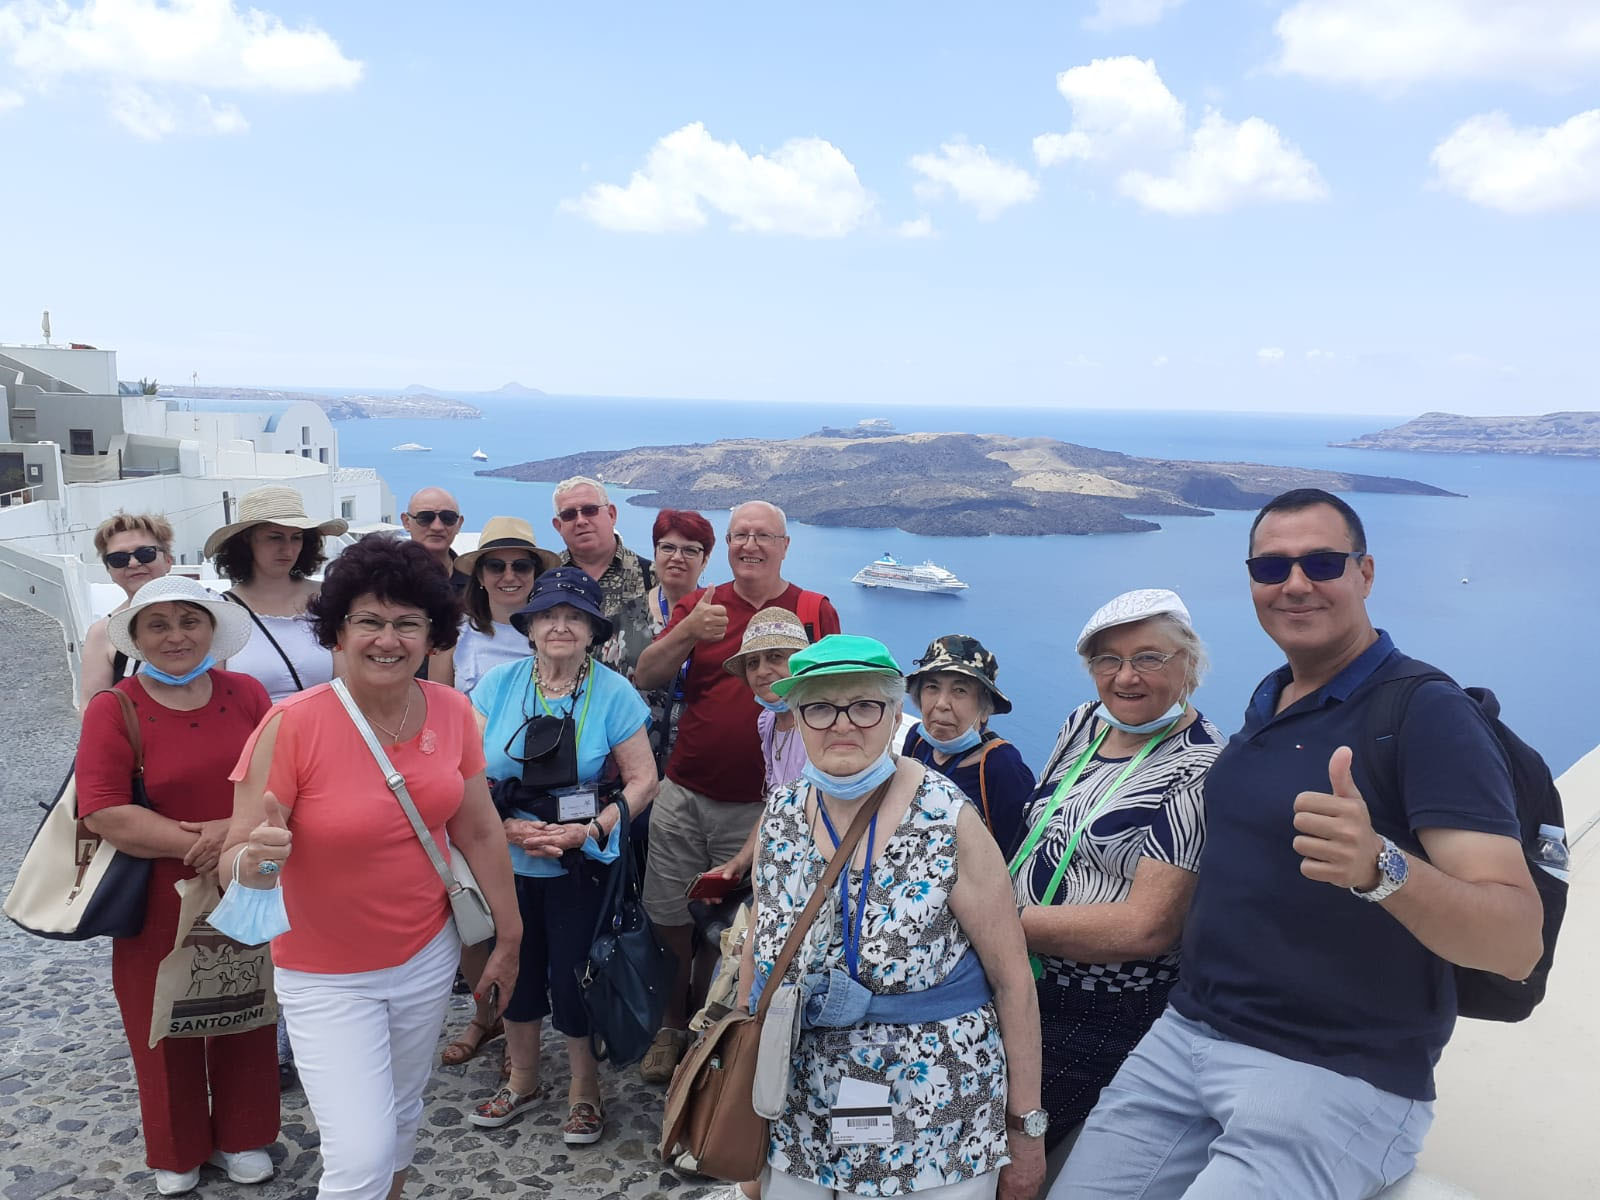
x: 775, y: 1185
x: 364, y: 1044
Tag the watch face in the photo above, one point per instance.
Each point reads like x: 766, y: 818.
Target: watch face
x: 1393, y: 864
x: 1035, y: 1123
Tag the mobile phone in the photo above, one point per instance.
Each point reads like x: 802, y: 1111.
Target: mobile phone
x: 707, y: 886
x: 492, y: 998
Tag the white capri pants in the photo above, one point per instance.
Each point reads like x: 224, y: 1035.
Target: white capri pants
x: 364, y: 1044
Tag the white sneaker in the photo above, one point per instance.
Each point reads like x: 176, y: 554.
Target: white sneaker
x: 176, y: 1183
x: 243, y: 1166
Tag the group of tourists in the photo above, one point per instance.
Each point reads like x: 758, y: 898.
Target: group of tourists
x: 1223, y: 963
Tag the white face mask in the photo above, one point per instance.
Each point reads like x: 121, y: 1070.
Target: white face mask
x: 1165, y: 719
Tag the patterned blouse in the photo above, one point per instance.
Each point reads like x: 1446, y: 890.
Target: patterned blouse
x: 947, y: 1078
x: 1158, y: 813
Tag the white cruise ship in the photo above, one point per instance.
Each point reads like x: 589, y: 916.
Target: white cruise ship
x: 890, y: 573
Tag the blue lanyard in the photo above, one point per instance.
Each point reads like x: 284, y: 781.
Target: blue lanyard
x: 852, y: 935
x: 683, y: 671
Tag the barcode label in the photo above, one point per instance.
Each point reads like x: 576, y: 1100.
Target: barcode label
x: 860, y: 1122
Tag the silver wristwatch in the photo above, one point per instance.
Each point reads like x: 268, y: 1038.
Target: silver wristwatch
x: 1030, y: 1124
x: 1392, y: 872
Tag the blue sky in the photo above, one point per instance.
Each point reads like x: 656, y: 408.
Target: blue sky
x: 1311, y: 205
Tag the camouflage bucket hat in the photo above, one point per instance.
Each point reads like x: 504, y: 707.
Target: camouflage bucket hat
x: 964, y: 655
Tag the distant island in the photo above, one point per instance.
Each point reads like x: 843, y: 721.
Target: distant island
x: 518, y: 391
x: 356, y: 407
x: 1568, y: 434
x: 944, y: 484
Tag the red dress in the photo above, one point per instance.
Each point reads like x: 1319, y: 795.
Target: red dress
x: 196, y: 1095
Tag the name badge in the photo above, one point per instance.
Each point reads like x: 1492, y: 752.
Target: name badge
x: 862, y: 1114
x: 575, y: 805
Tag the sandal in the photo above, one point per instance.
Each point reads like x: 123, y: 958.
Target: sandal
x: 586, y: 1122
x: 661, y: 1060
x: 503, y: 1107
x: 466, y: 1047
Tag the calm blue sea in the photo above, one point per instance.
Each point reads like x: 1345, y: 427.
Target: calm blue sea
x: 1524, y: 537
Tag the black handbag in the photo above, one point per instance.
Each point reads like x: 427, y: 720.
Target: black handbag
x: 625, y: 979
x: 74, y: 885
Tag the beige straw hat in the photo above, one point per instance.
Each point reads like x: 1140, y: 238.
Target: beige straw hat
x: 274, y: 505
x: 769, y: 629
x: 506, y: 533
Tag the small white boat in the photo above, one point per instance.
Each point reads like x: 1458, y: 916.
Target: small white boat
x: 411, y: 447
x: 479, y: 456
x: 889, y: 572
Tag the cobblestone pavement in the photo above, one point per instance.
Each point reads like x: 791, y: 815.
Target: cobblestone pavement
x: 69, y: 1109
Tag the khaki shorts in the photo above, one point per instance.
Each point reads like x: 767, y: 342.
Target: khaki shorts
x: 689, y: 833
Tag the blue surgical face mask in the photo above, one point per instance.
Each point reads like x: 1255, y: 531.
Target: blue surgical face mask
x: 1161, y: 722
x: 772, y: 706
x: 850, y: 787
x: 250, y: 916
x: 160, y: 676
x: 956, y: 745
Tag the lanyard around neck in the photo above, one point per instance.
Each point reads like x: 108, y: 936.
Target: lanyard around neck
x: 852, y: 934
x: 666, y: 614
x: 588, y: 695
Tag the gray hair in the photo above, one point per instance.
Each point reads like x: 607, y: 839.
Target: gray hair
x: 889, y: 687
x: 783, y: 521
x: 572, y: 484
x: 1186, y: 640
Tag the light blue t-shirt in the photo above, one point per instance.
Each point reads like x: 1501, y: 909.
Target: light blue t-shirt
x: 615, y: 713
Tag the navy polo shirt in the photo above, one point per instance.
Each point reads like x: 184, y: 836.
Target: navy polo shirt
x: 1305, y: 969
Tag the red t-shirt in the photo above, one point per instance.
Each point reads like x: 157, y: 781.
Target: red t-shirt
x: 359, y: 889
x: 718, y: 751
x: 187, y: 755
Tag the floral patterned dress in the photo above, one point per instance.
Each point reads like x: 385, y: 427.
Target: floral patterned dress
x: 947, y: 1078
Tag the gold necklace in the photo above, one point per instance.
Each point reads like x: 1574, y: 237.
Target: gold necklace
x: 404, y: 716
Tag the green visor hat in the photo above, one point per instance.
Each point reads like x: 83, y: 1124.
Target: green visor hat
x: 838, y: 654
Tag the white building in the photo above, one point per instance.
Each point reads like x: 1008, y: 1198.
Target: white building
x: 76, y: 447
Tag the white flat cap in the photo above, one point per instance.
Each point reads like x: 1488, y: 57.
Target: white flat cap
x: 1138, y: 605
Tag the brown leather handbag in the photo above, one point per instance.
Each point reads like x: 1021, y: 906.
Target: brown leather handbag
x: 710, y: 1112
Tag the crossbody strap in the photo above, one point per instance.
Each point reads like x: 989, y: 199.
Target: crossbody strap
x: 261, y: 625
x: 983, y: 778
x: 823, y: 892
x: 396, y: 783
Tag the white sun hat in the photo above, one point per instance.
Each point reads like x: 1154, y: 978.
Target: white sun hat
x: 1138, y: 605
x: 233, y: 623
x: 275, y: 505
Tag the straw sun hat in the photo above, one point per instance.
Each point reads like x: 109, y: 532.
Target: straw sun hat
x: 507, y: 533
x: 233, y: 622
x: 274, y: 505
x: 769, y: 629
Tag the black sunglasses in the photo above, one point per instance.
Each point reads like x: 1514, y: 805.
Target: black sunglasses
x: 121, y: 558
x: 571, y: 514
x: 1319, y: 566
x: 497, y: 566
x: 446, y: 516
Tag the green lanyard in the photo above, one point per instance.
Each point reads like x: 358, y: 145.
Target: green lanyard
x: 588, y: 695
x: 1060, y: 794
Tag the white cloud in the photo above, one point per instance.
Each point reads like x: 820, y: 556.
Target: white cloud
x: 988, y: 185
x: 921, y: 227
x: 1320, y: 356
x: 158, y: 62
x: 1120, y: 14
x: 1226, y: 165
x: 1121, y: 112
x: 1389, y: 44
x: 1527, y: 169
x: 806, y: 187
x: 9, y: 100
x: 1126, y: 121
x: 1160, y: 360
x: 1269, y: 356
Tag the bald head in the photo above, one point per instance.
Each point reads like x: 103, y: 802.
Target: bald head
x: 764, y: 507
x: 437, y: 525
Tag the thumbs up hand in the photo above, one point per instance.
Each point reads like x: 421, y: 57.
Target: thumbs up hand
x: 1333, y: 831
x: 707, y: 622
x: 269, y: 843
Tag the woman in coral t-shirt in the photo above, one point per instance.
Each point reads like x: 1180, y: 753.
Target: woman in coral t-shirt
x: 364, y: 972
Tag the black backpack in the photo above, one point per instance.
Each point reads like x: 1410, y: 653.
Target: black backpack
x: 1480, y: 994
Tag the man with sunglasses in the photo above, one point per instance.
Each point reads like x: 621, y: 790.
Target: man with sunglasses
x: 587, y: 522
x: 1296, y: 1055
x: 134, y: 549
x: 433, y: 518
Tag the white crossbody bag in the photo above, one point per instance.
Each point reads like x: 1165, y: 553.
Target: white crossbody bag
x: 474, y: 923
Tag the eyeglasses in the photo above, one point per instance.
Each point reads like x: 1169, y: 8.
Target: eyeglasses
x: 863, y: 714
x: 121, y: 558
x: 1319, y: 566
x: 497, y: 566
x: 569, y: 515
x: 1146, y: 662
x: 671, y: 549
x: 760, y: 539
x: 445, y: 516
x: 410, y: 628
